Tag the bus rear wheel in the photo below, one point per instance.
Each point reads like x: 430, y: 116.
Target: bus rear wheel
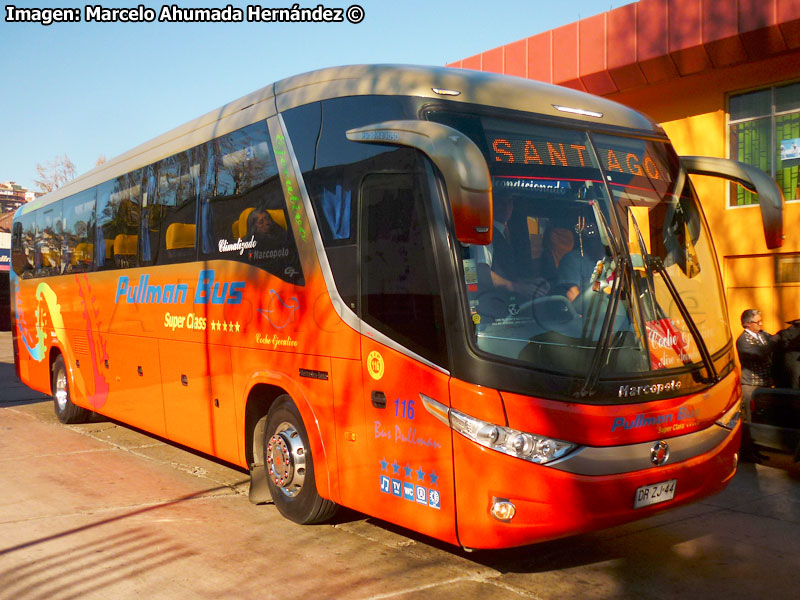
x: 66, y: 411
x: 289, y: 466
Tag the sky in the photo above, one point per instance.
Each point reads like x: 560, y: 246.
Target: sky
x: 92, y: 89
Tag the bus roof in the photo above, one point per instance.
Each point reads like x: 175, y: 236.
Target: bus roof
x: 458, y: 85
x: 475, y: 87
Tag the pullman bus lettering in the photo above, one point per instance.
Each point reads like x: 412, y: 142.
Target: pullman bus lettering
x: 207, y: 291
x: 684, y: 413
x: 144, y: 293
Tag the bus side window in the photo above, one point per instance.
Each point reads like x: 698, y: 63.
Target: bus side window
x: 399, y: 289
x: 79, y: 232
x: 177, y: 204
x: 49, y: 231
x: 128, y: 216
x: 149, y: 227
x: 106, y: 227
x: 333, y: 168
x: 22, y: 246
x: 118, y: 210
x: 244, y: 217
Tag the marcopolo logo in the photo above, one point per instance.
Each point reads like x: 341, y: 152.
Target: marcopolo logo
x: 629, y: 391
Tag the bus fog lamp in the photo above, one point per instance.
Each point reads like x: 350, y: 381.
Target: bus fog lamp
x: 502, y: 510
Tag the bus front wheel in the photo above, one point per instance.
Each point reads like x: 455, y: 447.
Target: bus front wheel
x: 66, y: 411
x: 289, y: 466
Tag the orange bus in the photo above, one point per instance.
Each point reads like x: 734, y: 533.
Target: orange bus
x: 479, y: 307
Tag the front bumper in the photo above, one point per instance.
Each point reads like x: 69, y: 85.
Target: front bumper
x: 552, y: 503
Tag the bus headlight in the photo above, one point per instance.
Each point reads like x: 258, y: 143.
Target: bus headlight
x: 520, y: 444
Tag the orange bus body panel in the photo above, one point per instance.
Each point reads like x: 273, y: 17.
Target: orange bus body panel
x: 409, y: 472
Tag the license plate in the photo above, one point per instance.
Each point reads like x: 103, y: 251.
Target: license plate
x: 655, y: 493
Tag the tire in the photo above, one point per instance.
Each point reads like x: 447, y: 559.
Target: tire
x: 67, y: 412
x: 289, y: 466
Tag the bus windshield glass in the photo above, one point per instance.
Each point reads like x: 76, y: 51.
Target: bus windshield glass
x: 601, y: 263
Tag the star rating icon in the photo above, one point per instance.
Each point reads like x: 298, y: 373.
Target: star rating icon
x: 227, y: 326
x: 410, y: 473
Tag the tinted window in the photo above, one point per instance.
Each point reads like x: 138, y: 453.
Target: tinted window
x: 79, y: 234
x: 22, y: 245
x: 751, y: 104
x: 49, y: 235
x: 304, y: 123
x: 118, y: 212
x: 399, y: 290
x: 787, y: 97
x: 243, y: 209
x: 339, y: 167
x: 175, y: 208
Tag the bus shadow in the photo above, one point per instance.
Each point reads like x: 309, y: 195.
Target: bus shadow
x: 704, y: 550
x: 84, y: 560
x: 15, y: 393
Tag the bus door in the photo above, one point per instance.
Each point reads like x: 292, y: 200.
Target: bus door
x: 409, y: 471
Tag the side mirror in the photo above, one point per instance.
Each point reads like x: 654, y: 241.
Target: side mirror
x: 770, y: 197
x: 466, y: 175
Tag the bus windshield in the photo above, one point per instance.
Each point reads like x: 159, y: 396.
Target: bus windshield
x: 601, y: 264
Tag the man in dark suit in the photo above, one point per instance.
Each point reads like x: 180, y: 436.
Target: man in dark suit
x: 755, y: 348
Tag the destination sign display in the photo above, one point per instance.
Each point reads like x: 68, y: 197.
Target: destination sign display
x: 537, y: 152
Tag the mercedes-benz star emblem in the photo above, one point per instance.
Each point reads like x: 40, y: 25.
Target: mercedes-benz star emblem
x: 659, y: 453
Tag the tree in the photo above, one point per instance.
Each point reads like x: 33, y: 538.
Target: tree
x: 52, y: 175
x: 100, y: 160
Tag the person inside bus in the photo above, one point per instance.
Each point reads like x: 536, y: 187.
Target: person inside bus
x: 498, y: 266
x: 575, y: 269
x: 263, y: 228
x: 559, y: 243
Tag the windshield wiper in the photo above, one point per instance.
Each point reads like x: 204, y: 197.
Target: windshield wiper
x: 654, y: 263
x: 658, y: 265
x: 617, y: 263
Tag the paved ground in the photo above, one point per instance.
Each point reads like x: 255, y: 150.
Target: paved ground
x: 102, y: 511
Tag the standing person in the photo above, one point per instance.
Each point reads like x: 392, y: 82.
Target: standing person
x: 755, y: 348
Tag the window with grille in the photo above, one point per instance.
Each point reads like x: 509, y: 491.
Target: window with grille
x: 764, y: 129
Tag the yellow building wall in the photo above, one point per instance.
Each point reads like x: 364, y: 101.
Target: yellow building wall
x: 692, y: 111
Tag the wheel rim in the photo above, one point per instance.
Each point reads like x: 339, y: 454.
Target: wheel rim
x: 286, y: 459
x: 61, y: 393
